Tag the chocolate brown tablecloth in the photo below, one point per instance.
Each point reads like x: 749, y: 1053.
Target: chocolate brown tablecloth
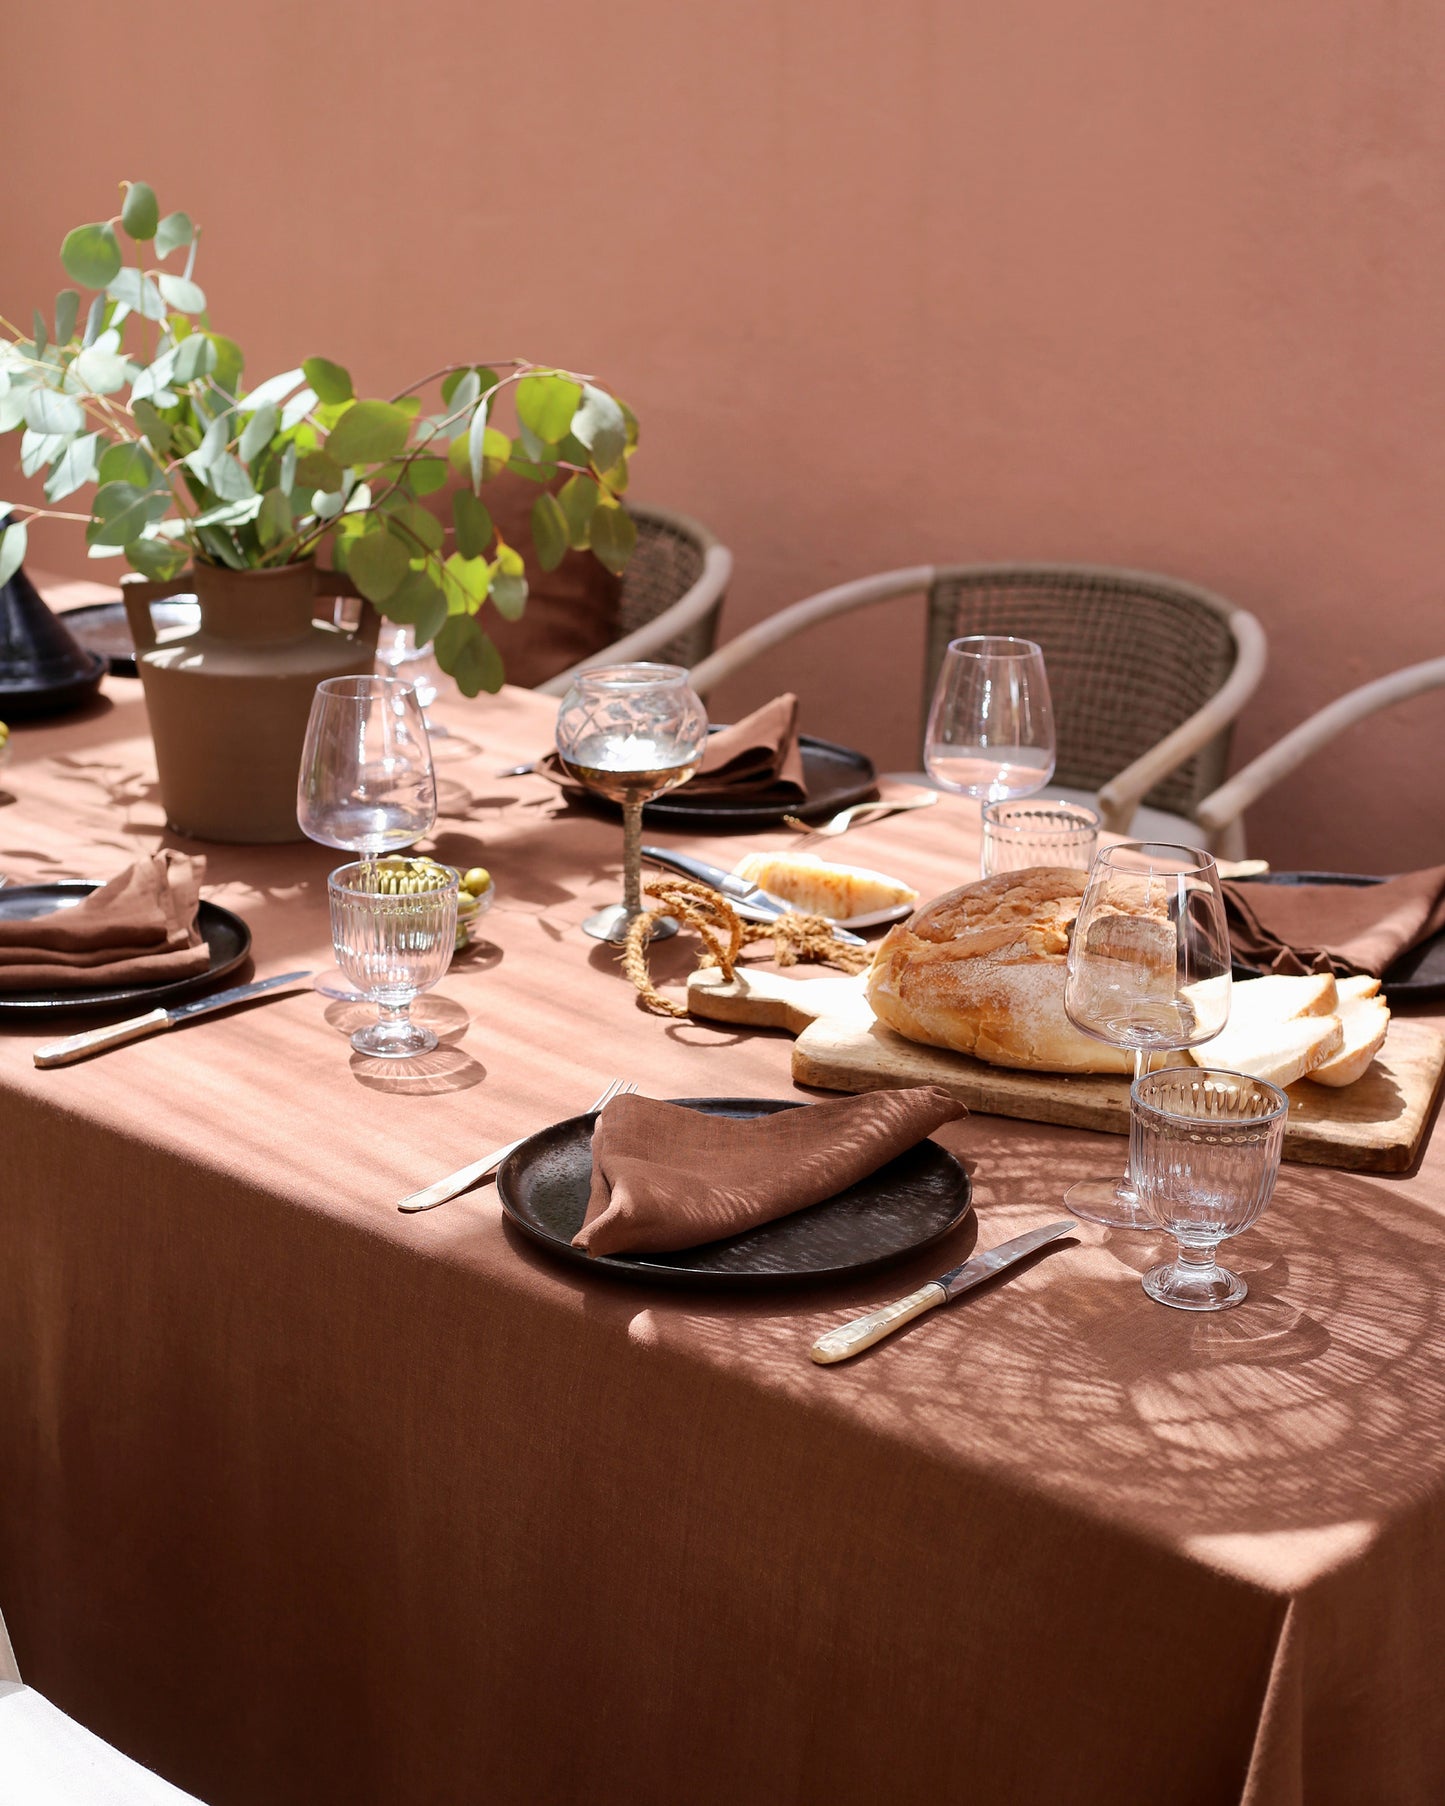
x: 305, y: 1501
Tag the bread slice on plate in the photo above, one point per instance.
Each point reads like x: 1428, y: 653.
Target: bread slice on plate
x: 1366, y: 1021
x: 1279, y: 1052
x: 819, y: 887
x: 1274, y: 998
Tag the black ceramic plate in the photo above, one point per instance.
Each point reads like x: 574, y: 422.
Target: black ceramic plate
x: 226, y: 935
x: 909, y: 1204
x: 1416, y: 977
x: 833, y: 775
x: 101, y: 627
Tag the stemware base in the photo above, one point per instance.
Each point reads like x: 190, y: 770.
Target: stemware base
x: 333, y: 982
x: 393, y: 1040
x: 1194, y: 1288
x: 611, y: 924
x: 1112, y: 1202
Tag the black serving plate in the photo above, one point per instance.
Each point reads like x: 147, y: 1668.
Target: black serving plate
x: 226, y: 936
x: 1416, y: 977
x: 833, y: 776
x: 906, y: 1205
x: 102, y: 628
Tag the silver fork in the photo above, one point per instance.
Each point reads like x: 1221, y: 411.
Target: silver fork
x: 465, y: 1177
x: 847, y: 818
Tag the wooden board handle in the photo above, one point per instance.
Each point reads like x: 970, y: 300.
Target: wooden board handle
x: 77, y: 1047
x: 852, y: 1338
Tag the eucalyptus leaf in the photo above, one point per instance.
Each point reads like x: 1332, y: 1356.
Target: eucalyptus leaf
x: 156, y: 377
x: 319, y: 470
x: 98, y: 371
x: 41, y: 338
x: 173, y: 231
x: 377, y: 563
x: 577, y: 499
x: 275, y: 388
x: 12, y: 408
x: 91, y: 255
x: 67, y: 312
x: 469, y: 655
x: 470, y: 578
x: 47, y: 411
x: 228, y: 478
x: 221, y: 548
x: 326, y: 504
x: 12, y: 549
x: 613, y: 537
x: 121, y: 511
x: 534, y: 448
x: 274, y: 519
x: 549, y: 532
x: 418, y: 602
x: 420, y: 524
x: 546, y: 404
x: 74, y: 469
x: 212, y: 447
x: 496, y: 450
x: 601, y: 426
x: 137, y: 292
x: 229, y: 514
x: 186, y: 297
x: 288, y: 468
x: 229, y: 362
x: 369, y: 432
x: 139, y: 215
x: 258, y: 431
x: 476, y: 445
x: 509, y: 595
x: 465, y: 395
x: 126, y: 463
x: 473, y: 522
x: 297, y: 408
x: 331, y: 382
x: 40, y: 450
x: 156, y: 559
x: 148, y: 419
x: 195, y: 358
x: 94, y: 320
x: 427, y: 475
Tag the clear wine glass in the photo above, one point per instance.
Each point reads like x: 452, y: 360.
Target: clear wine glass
x: 393, y: 945
x: 366, y: 783
x: 1205, y: 1148
x: 1148, y: 971
x: 630, y: 732
x: 990, y: 727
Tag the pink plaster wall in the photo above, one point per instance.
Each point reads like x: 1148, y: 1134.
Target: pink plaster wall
x: 1125, y: 282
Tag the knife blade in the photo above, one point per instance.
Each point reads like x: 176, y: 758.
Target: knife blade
x: 852, y: 1338
x: 134, y: 1028
x: 752, y: 903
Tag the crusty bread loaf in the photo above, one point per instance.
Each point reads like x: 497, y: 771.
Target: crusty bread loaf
x: 823, y: 888
x: 981, y: 970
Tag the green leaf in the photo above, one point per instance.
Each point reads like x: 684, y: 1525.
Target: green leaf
x: 496, y: 449
x: 221, y: 547
x: 75, y: 468
x: 137, y: 292
x: 297, y: 408
x: 157, y: 559
x: 12, y: 549
x: 613, y: 537
x: 601, y: 426
x: 331, y: 382
x: 91, y: 255
x: 509, y: 595
x: 228, y: 477
x: 174, y: 231
x: 257, y: 433
x: 470, y: 579
x: 377, y: 563
x: 533, y: 448
x: 139, y: 214
x: 67, y: 312
x: 186, y: 297
x: 275, y: 388
x: 521, y: 466
x: 41, y: 338
x: 319, y: 470
x: 121, y: 510
x: 469, y: 655
x: 229, y: 362
x: 427, y: 475
x: 46, y: 411
x: 157, y: 431
x: 38, y: 451
x: 94, y: 320
x: 473, y: 522
x: 369, y: 432
x: 98, y: 368
x: 462, y: 393
x: 546, y: 404
x: 578, y: 499
x: 549, y: 532
x: 126, y: 464
x: 195, y: 358
x: 419, y: 603
x: 476, y: 444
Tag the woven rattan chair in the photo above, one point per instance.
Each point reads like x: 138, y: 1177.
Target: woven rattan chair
x: 1221, y: 812
x: 1148, y: 673
x: 672, y: 594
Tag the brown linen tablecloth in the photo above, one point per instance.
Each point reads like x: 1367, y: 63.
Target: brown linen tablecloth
x: 306, y: 1501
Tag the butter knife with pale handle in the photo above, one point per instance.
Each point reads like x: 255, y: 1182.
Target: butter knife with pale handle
x: 135, y: 1028
x: 852, y: 1338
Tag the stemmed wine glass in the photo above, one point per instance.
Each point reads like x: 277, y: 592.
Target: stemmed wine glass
x: 630, y: 732
x: 366, y: 783
x: 990, y: 728
x: 1148, y: 970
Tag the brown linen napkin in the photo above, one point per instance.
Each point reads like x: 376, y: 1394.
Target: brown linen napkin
x: 759, y: 753
x: 1299, y: 928
x: 138, y: 929
x: 664, y: 1177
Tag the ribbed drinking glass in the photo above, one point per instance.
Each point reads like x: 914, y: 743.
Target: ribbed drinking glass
x: 1018, y: 835
x: 392, y: 945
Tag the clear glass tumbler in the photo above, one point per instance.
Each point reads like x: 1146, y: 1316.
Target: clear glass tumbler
x: 392, y: 945
x: 1017, y: 835
x: 1204, y: 1150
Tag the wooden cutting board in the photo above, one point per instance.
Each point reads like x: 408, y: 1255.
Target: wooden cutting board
x: 1378, y: 1124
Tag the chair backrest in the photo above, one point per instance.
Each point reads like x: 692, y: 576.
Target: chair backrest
x: 1130, y: 656
x: 667, y: 561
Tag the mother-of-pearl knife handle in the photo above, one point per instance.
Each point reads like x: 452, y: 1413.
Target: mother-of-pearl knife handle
x: 863, y: 1332
x: 76, y: 1047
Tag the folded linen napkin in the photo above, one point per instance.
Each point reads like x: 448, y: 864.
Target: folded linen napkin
x: 759, y: 753
x: 665, y: 1177
x: 138, y: 929
x: 1299, y: 928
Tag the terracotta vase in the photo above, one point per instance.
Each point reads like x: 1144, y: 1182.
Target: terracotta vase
x: 228, y: 702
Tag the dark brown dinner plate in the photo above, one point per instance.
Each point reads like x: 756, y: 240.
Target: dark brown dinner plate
x: 1416, y: 977
x: 906, y: 1205
x: 227, y: 938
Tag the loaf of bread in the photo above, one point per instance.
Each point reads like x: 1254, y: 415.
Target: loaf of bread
x: 821, y: 888
x: 981, y: 971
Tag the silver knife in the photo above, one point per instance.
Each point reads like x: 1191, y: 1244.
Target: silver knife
x: 852, y: 1338
x: 752, y: 903
x: 95, y: 1040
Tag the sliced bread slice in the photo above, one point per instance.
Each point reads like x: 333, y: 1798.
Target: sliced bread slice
x: 1273, y: 998
x: 1366, y: 1021
x: 1361, y: 986
x: 1280, y: 1052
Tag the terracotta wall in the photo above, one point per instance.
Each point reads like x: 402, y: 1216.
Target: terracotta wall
x: 1135, y: 283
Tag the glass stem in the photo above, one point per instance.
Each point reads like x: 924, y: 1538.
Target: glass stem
x: 1196, y: 1257
x: 632, y: 856
x: 1142, y: 1058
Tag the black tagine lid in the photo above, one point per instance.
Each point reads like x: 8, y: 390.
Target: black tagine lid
x: 44, y: 670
